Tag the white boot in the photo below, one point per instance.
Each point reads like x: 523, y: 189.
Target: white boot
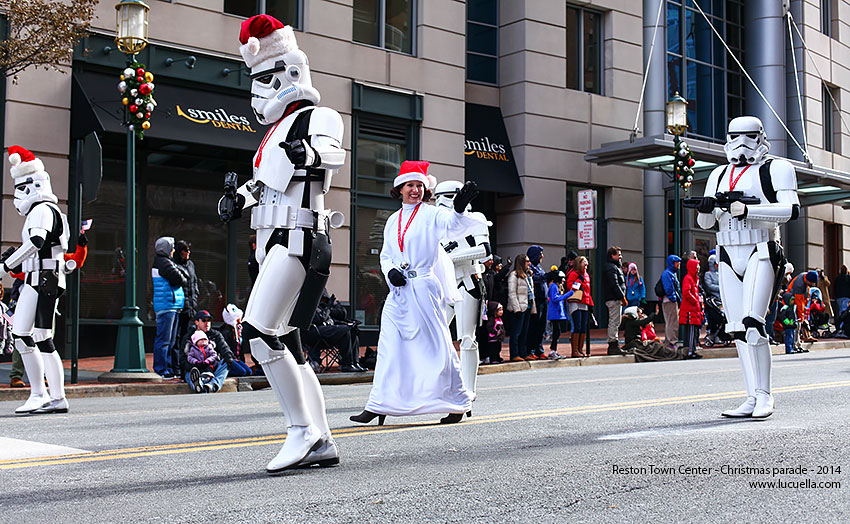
x: 761, y: 358
x: 746, y: 408
x: 55, y: 405
x: 327, y: 454
x: 34, y: 366
x: 469, y: 367
x: 282, y: 372
x: 55, y: 373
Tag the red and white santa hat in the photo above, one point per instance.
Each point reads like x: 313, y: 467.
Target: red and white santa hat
x: 415, y: 170
x: 263, y: 37
x: 24, y: 163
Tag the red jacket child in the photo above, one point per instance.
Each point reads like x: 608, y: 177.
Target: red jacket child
x: 584, y: 278
x: 690, y: 312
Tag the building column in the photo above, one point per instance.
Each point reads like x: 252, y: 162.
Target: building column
x: 764, y: 42
x: 654, y: 205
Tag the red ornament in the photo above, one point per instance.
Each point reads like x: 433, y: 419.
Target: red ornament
x: 140, y: 79
x: 145, y: 89
x: 133, y: 108
x: 691, y: 162
x: 147, y: 115
x: 140, y: 72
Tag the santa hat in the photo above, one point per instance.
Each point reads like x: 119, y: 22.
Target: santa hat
x: 23, y: 162
x: 264, y: 37
x: 415, y: 170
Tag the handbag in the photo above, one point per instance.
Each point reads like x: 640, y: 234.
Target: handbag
x: 578, y: 295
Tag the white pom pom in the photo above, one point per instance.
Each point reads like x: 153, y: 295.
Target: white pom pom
x: 14, y: 159
x: 253, y: 45
x: 432, y: 181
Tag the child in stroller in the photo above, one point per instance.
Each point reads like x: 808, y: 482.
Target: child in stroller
x: 818, y: 317
x: 715, y: 331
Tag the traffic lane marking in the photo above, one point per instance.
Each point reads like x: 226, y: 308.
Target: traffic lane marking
x: 373, y: 430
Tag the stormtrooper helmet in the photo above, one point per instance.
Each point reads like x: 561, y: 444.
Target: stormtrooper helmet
x: 445, y: 193
x: 280, y: 72
x: 32, y: 183
x: 746, y: 142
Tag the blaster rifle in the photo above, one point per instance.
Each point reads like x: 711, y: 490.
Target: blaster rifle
x: 229, y: 207
x: 722, y: 200
x: 6, y: 254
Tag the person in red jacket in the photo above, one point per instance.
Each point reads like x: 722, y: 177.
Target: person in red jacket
x: 690, y: 313
x: 579, y: 305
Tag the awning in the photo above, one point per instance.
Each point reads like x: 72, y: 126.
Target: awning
x: 817, y: 185
x: 489, y: 159
x: 182, y: 114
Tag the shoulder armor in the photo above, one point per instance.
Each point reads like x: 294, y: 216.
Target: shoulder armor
x: 325, y: 121
x: 782, y: 175
x: 480, y: 216
x: 712, y: 186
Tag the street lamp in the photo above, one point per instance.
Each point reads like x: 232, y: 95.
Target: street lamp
x: 131, y: 36
x: 677, y: 124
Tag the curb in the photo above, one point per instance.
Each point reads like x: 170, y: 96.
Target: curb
x: 133, y: 389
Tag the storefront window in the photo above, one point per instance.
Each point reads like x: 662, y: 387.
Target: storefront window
x: 482, y: 41
x: 385, y: 23
x: 287, y: 11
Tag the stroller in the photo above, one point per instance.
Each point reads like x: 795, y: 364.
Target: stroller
x: 716, y: 332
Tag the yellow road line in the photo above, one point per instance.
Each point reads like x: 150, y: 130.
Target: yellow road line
x: 170, y: 449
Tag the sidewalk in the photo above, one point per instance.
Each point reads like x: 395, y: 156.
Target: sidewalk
x: 90, y: 368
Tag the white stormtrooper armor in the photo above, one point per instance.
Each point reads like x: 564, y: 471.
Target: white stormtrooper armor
x: 466, y: 254
x: 41, y: 258
x: 292, y: 171
x: 749, y: 253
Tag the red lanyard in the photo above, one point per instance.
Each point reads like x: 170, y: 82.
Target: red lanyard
x: 402, y: 233
x: 263, y: 144
x: 733, y: 180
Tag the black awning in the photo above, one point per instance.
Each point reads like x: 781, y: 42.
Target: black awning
x: 182, y: 114
x: 489, y: 159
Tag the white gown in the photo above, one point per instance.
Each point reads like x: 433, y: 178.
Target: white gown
x: 418, y: 370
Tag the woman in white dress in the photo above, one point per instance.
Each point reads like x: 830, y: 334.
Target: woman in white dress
x: 418, y: 370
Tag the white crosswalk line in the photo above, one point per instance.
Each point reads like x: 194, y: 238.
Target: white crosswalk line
x: 12, y: 448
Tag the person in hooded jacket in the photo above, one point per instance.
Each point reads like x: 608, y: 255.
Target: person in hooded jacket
x: 557, y: 311
x: 168, y: 301
x: 711, y: 278
x: 690, y: 313
x: 635, y: 287
x: 671, y: 300
x: 182, y: 252
x: 537, y: 324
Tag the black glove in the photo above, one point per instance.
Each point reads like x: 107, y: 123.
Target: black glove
x: 466, y: 195
x: 231, y: 204
x: 707, y: 205
x: 300, y: 154
x: 396, y: 278
x: 82, y: 240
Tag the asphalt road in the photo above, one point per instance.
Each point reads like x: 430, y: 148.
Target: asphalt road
x: 614, y: 443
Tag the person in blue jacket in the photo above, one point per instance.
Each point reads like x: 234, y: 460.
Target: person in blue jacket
x: 635, y: 288
x: 168, y: 301
x: 672, y: 299
x: 557, y: 311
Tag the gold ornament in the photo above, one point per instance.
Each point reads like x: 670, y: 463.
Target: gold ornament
x: 149, y: 77
x: 125, y: 101
x: 121, y: 77
x: 146, y: 125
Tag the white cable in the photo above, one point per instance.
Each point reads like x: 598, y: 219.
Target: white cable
x: 805, y: 154
x: 814, y: 63
x: 797, y: 83
x: 648, y: 61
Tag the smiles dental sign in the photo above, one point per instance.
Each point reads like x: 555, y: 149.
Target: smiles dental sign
x: 217, y: 117
x: 485, y: 149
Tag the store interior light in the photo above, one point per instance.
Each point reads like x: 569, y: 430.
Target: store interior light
x: 818, y: 189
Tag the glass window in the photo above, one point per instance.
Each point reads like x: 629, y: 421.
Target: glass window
x: 584, y: 50
x: 287, y: 11
x: 482, y: 41
x: 396, y: 17
x: 826, y: 17
x: 830, y: 140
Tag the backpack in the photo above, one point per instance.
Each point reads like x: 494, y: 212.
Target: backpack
x: 659, y: 289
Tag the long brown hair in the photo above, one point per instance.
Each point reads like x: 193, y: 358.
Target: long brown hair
x: 578, y: 262
x: 519, y: 265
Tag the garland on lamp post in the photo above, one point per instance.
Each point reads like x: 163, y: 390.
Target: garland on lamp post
x: 136, y: 88
x: 684, y: 165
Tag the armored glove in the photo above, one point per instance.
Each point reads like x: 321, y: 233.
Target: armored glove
x: 301, y: 154
x: 707, y: 205
x: 738, y: 210
x: 230, y: 205
x: 396, y: 278
x: 465, y: 195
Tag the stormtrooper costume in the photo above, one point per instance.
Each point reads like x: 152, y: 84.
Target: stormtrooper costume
x: 466, y: 253
x: 41, y: 258
x: 292, y: 171
x: 749, y: 253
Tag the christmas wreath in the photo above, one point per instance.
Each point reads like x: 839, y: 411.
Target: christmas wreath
x: 136, y: 87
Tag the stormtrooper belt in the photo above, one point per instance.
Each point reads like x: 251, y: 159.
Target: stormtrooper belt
x: 31, y: 265
x: 283, y: 217
x: 742, y: 237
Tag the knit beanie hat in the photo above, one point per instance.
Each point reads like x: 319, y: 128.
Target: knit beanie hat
x: 812, y: 276
x: 534, y: 253
x: 199, y: 335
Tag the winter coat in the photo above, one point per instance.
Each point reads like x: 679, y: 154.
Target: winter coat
x: 842, y: 286
x: 557, y: 308
x: 823, y: 285
x: 613, y: 283
x: 495, y: 326
x: 229, y: 334
x: 670, y: 280
x: 190, y: 288
x: 635, y: 290
x: 538, y: 277
x: 167, y: 279
x: 690, y: 310
x: 712, y: 282
x: 207, y: 355
x: 216, y: 338
x: 500, y: 286
x: 633, y: 327
x: 518, y: 294
x: 585, y: 286
x: 787, y: 317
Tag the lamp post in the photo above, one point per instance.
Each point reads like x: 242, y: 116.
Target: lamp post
x: 677, y: 124
x: 131, y: 36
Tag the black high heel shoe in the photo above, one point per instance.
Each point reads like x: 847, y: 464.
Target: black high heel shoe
x: 367, y: 417
x: 452, y: 418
